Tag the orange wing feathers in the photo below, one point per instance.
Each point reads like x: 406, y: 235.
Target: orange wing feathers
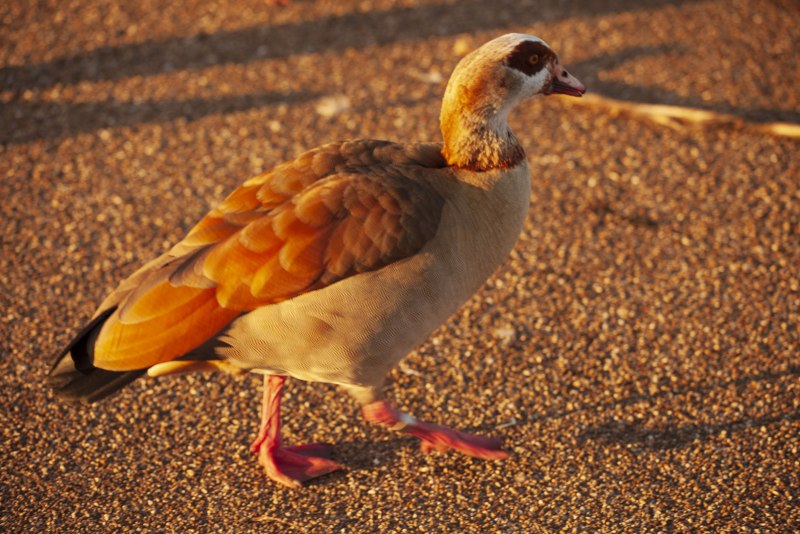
x: 304, y: 225
x: 136, y: 345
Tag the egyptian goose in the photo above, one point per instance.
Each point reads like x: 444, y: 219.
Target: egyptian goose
x: 333, y: 266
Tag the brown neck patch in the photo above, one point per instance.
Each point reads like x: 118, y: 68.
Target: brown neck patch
x: 484, y: 150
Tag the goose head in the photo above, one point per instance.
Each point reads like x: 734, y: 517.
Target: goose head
x: 483, y: 89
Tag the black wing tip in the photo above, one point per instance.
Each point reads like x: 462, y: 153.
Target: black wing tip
x: 87, y: 388
x: 81, y: 342
x: 73, y: 376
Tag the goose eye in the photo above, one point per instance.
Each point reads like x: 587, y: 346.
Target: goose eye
x: 534, y: 59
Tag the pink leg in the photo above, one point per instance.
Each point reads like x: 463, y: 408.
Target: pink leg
x: 434, y: 437
x: 289, y: 466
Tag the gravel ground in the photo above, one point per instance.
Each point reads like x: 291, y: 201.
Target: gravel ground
x: 639, y: 352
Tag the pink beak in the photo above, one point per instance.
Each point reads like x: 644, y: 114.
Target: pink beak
x: 565, y: 83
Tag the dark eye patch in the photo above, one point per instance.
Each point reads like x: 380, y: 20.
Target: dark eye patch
x: 520, y: 57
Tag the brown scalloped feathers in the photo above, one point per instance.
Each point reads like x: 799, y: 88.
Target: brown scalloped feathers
x: 308, y: 223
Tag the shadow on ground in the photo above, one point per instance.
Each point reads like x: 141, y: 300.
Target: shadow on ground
x: 676, y: 436
x: 36, y: 120
x: 333, y: 33
x: 53, y: 120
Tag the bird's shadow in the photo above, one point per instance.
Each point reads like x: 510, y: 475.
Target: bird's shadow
x: 672, y: 436
x: 366, y: 455
x: 370, y: 455
x: 361, y: 455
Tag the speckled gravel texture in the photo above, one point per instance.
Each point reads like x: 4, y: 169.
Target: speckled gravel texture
x: 639, y: 352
